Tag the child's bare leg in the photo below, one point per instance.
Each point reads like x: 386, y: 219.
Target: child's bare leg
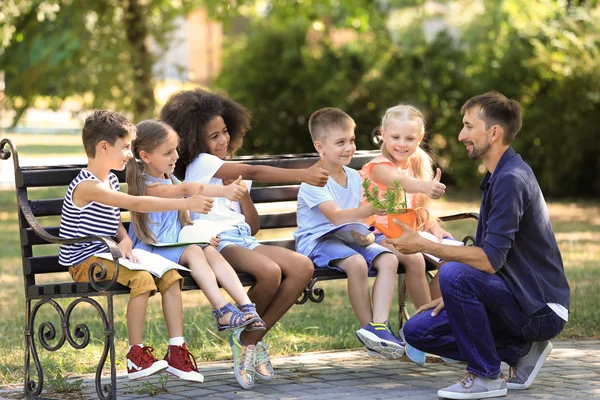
x: 226, y: 276
x: 386, y: 265
x: 297, y: 270
x: 355, y: 268
x: 173, y: 310
x: 136, y: 317
x: 194, y: 258
x: 266, y: 272
x: 416, y: 278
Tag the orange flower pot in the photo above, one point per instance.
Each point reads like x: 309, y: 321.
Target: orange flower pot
x: 409, y: 217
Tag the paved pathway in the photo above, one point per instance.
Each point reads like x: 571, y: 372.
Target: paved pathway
x: 571, y: 371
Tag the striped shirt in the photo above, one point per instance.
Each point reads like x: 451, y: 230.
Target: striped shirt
x: 94, y: 219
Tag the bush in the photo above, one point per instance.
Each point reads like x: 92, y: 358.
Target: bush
x: 538, y: 53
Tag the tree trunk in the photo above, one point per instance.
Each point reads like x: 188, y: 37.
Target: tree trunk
x: 141, y: 60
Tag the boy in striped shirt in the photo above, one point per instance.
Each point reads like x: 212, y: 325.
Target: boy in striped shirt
x: 92, y: 208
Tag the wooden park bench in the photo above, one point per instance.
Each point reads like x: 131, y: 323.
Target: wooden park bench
x: 33, y: 234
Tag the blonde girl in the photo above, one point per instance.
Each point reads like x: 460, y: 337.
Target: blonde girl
x: 402, y: 131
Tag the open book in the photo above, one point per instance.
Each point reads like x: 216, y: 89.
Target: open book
x: 153, y: 263
x: 447, y: 241
x: 344, y: 231
x: 201, y: 231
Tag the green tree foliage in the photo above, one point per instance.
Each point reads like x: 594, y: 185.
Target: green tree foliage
x: 98, y: 49
x: 293, y: 59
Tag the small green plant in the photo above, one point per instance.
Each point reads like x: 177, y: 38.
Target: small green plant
x: 60, y: 383
x: 393, y: 200
x: 149, y: 388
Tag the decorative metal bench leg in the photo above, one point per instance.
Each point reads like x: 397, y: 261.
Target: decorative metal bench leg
x: 402, y: 311
x: 30, y: 386
x: 316, y: 295
x: 110, y: 340
x: 78, y: 339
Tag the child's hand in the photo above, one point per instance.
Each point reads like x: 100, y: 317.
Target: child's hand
x: 236, y: 190
x: 434, y: 188
x: 126, y: 247
x: 214, y: 241
x: 363, y: 240
x: 200, y: 204
x: 315, y: 175
x: 440, y: 233
x: 376, y: 211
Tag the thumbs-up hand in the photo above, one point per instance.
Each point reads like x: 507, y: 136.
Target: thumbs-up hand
x: 315, y: 175
x: 236, y: 190
x: 200, y: 204
x: 434, y: 188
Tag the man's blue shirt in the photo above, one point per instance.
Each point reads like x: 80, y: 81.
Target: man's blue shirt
x: 515, y: 232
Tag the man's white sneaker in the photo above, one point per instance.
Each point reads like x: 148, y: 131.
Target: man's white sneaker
x: 521, y: 376
x: 475, y: 387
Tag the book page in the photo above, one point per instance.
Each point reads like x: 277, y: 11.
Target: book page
x: 446, y: 241
x: 201, y: 231
x: 153, y: 263
x: 344, y: 231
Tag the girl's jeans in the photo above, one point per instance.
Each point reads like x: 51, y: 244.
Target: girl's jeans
x: 481, y: 324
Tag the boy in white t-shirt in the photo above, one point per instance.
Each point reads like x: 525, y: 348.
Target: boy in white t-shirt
x: 321, y: 209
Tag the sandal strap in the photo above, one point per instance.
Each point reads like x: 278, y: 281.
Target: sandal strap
x: 236, y: 318
x: 250, y: 307
x: 226, y: 309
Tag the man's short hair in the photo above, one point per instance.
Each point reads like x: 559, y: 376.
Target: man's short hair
x: 497, y: 109
x: 322, y: 121
x: 104, y: 125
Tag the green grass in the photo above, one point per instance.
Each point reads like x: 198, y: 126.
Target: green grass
x: 36, y: 150
x: 310, y: 327
x: 56, y: 145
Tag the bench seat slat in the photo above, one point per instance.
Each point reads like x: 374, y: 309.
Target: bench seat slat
x: 84, y: 288
x: 267, y: 221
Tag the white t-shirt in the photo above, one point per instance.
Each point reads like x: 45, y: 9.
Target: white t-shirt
x: 203, y: 169
x: 312, y: 223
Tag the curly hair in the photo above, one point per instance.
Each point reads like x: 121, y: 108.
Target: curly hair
x: 190, y: 111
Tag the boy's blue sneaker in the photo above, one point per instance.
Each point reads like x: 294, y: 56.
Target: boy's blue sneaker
x: 370, y: 352
x: 417, y: 356
x: 450, y: 360
x: 378, y: 338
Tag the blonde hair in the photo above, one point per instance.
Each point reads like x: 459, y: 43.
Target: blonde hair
x: 150, y: 135
x: 420, y: 161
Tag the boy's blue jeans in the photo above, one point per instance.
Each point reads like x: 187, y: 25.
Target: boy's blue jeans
x: 481, y: 324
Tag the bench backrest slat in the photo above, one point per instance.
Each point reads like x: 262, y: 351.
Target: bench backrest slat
x: 53, y: 176
x: 62, y: 175
x: 270, y: 194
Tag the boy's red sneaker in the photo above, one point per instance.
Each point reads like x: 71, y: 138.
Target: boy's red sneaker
x: 182, y: 364
x: 142, y: 363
